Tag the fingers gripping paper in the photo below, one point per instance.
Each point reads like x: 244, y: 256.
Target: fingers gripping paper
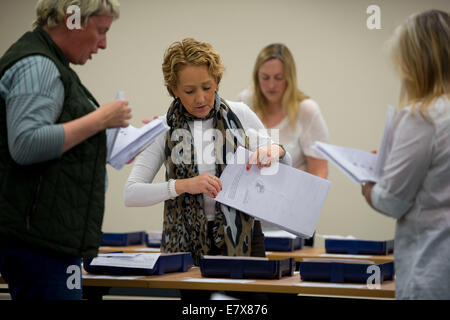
x: 289, y: 198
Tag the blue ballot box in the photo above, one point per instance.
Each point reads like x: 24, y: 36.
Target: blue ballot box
x: 341, y: 272
x: 282, y: 244
x: 134, y: 264
x: 246, y: 267
x: 123, y: 239
x: 153, y: 239
x: 351, y: 246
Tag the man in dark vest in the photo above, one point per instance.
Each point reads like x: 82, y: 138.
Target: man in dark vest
x: 53, y: 150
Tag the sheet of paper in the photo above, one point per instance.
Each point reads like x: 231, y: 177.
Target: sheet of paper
x: 148, y: 249
x: 279, y: 234
x: 130, y: 141
x: 111, y: 133
x: 386, y: 141
x: 97, y: 276
x: 284, y: 196
x: 335, y: 236
x: 335, y: 255
x: 348, y: 261
x: 359, y: 165
x: 330, y: 285
x: 214, y: 280
x: 126, y: 260
x: 240, y: 258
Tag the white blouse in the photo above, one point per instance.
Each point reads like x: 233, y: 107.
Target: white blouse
x: 415, y: 190
x: 310, y: 127
x: 140, y: 191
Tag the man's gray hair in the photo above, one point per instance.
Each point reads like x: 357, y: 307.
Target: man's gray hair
x: 51, y: 13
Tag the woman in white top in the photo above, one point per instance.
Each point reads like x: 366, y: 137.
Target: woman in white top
x: 414, y: 188
x: 280, y: 105
x: 203, y: 128
x: 287, y: 112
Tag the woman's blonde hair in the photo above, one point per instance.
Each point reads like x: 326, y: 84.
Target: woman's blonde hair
x: 190, y: 52
x: 292, y: 95
x: 421, y: 51
x: 51, y: 13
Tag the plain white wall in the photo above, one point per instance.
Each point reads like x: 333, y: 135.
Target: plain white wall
x: 341, y: 64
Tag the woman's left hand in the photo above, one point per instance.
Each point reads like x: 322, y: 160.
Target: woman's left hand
x: 366, y: 190
x: 265, y: 156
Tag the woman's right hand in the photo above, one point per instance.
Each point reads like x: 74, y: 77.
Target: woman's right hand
x: 205, y: 183
x: 115, y: 114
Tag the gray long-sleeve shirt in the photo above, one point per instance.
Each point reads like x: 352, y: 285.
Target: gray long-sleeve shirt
x: 34, y: 96
x: 415, y: 189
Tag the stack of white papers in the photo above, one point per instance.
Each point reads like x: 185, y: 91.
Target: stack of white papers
x: 289, y: 198
x: 125, y: 143
x: 279, y: 234
x: 361, y: 166
x: 348, y: 261
x: 126, y: 260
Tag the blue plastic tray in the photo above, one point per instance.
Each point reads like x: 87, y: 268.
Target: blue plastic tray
x: 123, y: 239
x: 153, y: 243
x: 282, y: 244
x: 240, y: 268
x: 351, y: 246
x: 169, y: 262
x: 343, y: 272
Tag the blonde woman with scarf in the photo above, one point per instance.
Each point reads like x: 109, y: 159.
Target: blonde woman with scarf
x: 199, y: 118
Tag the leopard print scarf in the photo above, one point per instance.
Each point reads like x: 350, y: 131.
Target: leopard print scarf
x: 185, y: 226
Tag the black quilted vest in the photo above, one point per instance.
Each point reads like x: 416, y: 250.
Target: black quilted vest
x: 56, y: 205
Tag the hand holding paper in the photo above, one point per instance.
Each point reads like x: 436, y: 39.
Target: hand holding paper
x: 287, y: 197
x: 361, y: 166
x: 126, y: 143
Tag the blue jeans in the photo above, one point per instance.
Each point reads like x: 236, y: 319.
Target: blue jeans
x: 36, y: 275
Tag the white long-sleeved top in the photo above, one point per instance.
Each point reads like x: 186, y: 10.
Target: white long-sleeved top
x: 415, y: 189
x: 309, y: 127
x: 140, y: 191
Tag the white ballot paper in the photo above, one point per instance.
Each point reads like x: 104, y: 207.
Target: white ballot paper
x: 126, y: 260
x: 284, y: 196
x: 126, y: 143
x: 361, y: 166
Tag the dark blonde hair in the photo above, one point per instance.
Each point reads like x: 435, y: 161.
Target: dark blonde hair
x: 190, y: 52
x: 421, y: 51
x: 292, y: 95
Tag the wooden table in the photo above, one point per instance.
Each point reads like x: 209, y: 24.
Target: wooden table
x: 298, y: 255
x: 192, y: 280
x: 308, y: 252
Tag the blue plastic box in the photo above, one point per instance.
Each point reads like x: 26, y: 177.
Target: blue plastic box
x: 152, y: 243
x: 282, y: 244
x: 170, y: 262
x: 241, y: 268
x: 350, y: 246
x: 123, y: 239
x: 343, y: 272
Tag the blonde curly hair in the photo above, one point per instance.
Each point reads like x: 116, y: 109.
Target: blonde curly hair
x: 190, y: 52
